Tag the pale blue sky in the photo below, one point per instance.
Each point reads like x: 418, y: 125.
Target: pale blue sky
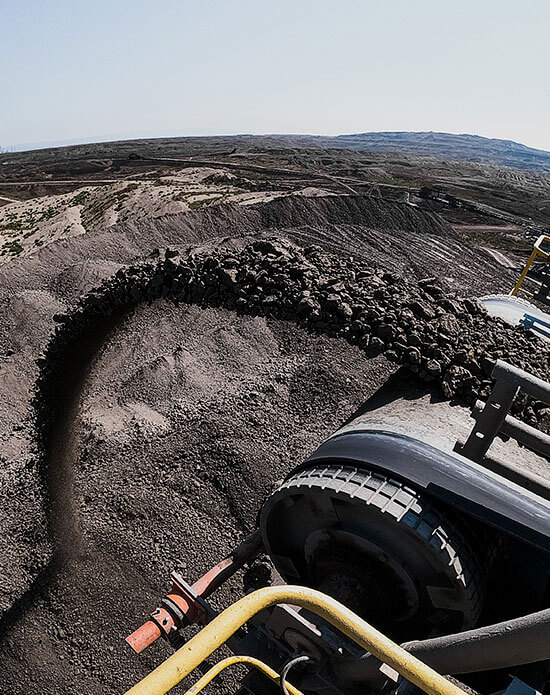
x: 94, y: 69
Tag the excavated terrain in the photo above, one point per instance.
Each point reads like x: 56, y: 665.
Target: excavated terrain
x: 150, y: 399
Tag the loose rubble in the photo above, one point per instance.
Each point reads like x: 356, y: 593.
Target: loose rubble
x: 440, y: 337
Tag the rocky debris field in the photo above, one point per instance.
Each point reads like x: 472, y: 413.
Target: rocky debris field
x: 151, y: 400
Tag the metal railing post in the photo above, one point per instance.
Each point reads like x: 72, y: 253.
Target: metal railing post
x: 490, y: 420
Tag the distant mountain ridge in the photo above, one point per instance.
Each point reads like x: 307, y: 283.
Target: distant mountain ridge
x: 443, y: 146
x: 471, y: 148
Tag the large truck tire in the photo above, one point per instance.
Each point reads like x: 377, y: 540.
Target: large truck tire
x: 399, y: 559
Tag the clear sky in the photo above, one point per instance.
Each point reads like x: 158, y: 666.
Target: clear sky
x: 102, y: 69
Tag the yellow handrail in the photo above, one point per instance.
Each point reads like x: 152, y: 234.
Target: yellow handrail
x: 537, y: 251
x: 230, y: 661
x: 211, y: 637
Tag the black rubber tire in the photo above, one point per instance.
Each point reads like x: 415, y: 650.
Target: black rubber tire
x: 348, y: 530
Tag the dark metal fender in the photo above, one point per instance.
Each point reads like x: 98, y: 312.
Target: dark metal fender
x: 446, y: 476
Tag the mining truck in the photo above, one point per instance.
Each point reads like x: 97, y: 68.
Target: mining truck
x: 410, y: 551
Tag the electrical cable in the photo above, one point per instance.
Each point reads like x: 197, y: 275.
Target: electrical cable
x: 290, y: 665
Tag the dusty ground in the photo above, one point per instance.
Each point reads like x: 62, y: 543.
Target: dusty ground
x: 185, y: 420
x: 189, y: 417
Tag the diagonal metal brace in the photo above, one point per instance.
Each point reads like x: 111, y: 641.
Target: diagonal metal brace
x: 492, y: 418
x: 489, y: 421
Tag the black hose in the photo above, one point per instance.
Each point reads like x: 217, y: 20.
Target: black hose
x: 514, y: 642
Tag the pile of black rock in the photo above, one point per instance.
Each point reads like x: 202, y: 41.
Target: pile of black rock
x: 442, y: 338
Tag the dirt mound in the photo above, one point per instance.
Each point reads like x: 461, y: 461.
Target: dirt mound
x: 163, y: 425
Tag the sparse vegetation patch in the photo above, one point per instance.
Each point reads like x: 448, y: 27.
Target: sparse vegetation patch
x: 80, y: 198
x: 12, y: 248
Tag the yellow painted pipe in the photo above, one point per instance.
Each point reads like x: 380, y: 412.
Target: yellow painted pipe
x: 211, y: 637
x: 537, y: 251
x: 231, y: 661
x: 528, y: 265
